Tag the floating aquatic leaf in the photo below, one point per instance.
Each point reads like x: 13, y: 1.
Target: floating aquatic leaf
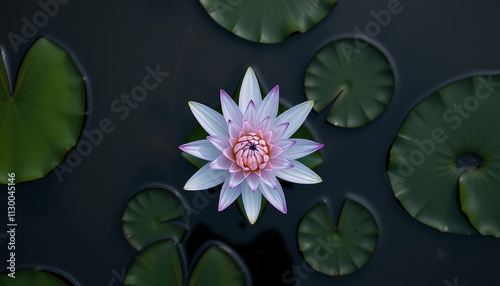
x: 267, y: 21
x: 338, y: 250
x: 147, y: 218
x: 355, y: 76
x: 157, y: 265
x: 426, y: 170
x: 31, y: 278
x: 42, y: 119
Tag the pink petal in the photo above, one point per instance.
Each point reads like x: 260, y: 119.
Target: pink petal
x: 235, y: 179
x: 250, y: 115
x: 285, y: 144
x: 221, y: 163
x: 234, y: 129
x: 264, y: 125
x: 253, y: 181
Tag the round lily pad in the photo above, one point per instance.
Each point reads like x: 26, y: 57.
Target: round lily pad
x: 147, y: 218
x: 354, y: 77
x: 445, y: 161
x: 42, y: 119
x: 30, y: 277
x: 158, y: 265
x: 267, y: 21
x: 217, y: 267
x: 338, y: 250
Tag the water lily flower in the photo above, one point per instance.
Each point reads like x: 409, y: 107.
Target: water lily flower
x: 249, y: 147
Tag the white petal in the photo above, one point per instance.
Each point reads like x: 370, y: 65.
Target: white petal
x: 269, y: 178
x: 298, y: 174
x: 227, y: 195
x: 205, y: 178
x: 251, y: 115
x: 235, y: 179
x: 230, y: 109
x: 295, y: 116
x: 301, y: 148
x: 234, y: 129
x: 212, y: 121
x: 253, y: 181
x: 249, y: 91
x: 221, y: 163
x: 279, y: 130
x: 219, y: 142
x: 279, y: 163
x: 275, y: 196
x: 201, y: 149
x: 251, y: 202
x: 269, y: 106
x: 285, y: 144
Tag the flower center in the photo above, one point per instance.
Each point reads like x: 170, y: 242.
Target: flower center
x: 251, y: 152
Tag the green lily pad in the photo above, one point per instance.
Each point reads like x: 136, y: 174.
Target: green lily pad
x: 217, y: 267
x: 32, y: 278
x: 354, y: 76
x: 162, y: 264
x: 42, y: 119
x: 426, y: 169
x: 267, y: 21
x: 158, y: 265
x: 338, y: 250
x: 147, y: 217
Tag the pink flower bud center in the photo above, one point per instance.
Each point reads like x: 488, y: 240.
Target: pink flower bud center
x: 251, y: 152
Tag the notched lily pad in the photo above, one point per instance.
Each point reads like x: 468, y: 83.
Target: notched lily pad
x: 267, y: 21
x: 338, y: 250
x: 445, y: 161
x: 32, y: 278
x: 217, y: 267
x: 162, y: 264
x: 158, y: 265
x: 147, y: 218
x: 42, y: 119
x: 354, y: 76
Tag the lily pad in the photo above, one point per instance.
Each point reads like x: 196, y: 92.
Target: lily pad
x: 32, y: 278
x: 147, y: 218
x: 162, y: 264
x: 42, y: 119
x: 338, y: 250
x: 427, y: 169
x: 354, y: 76
x: 158, y: 265
x: 217, y: 267
x: 267, y: 21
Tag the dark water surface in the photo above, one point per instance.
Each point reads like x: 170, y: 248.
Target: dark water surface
x: 70, y: 223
